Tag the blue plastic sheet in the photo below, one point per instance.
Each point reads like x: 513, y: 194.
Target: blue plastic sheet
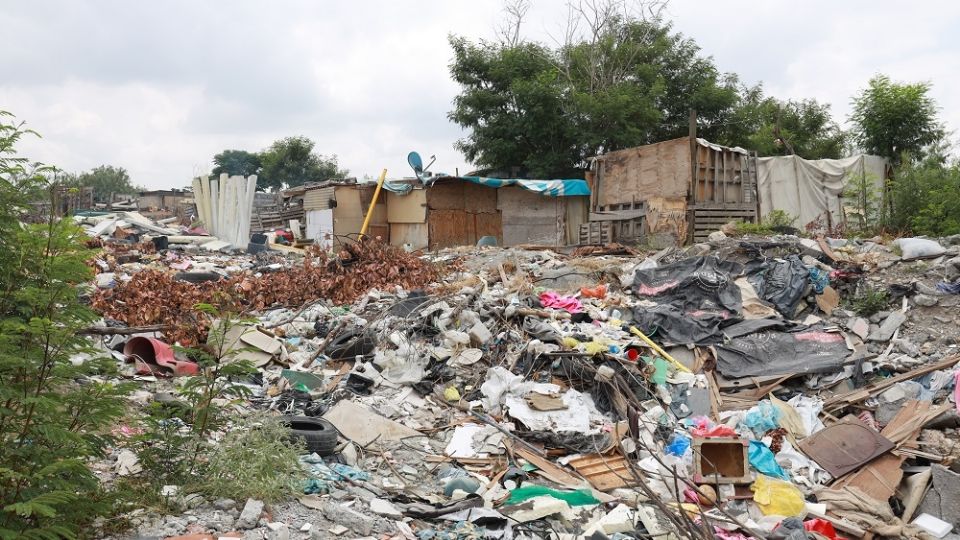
x: 763, y: 460
x: 819, y: 279
x: 678, y: 445
x: 762, y: 418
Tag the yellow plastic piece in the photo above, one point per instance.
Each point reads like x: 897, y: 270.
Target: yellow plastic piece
x: 594, y: 348
x: 570, y: 343
x: 451, y: 394
x: 777, y: 497
x: 635, y: 331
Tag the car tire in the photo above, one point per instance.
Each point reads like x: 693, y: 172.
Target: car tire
x: 317, y: 434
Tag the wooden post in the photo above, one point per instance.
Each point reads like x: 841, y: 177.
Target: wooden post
x: 694, y: 154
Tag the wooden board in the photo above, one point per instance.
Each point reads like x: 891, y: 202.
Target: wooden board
x: 409, y: 208
x: 635, y: 174
x: 531, y: 218
x: 604, y: 472
x: 413, y: 234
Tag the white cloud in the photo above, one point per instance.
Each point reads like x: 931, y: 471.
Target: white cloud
x: 159, y: 88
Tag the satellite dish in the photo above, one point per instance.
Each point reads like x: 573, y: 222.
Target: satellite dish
x: 416, y: 163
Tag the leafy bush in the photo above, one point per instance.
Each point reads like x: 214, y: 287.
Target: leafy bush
x: 258, y: 462
x: 55, y: 416
x: 776, y: 222
x: 925, y: 197
x: 869, y: 300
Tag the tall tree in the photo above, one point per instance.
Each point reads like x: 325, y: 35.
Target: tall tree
x: 618, y: 79
x: 107, y: 180
x: 892, y: 118
x: 773, y: 127
x: 292, y: 162
x: 236, y: 162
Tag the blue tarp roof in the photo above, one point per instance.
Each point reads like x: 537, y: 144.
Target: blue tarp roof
x: 553, y: 188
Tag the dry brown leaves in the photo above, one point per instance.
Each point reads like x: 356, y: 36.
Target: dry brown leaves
x: 154, y: 297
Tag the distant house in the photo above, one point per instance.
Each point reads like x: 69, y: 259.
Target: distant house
x: 163, y: 199
x: 460, y: 210
x: 446, y: 211
x: 683, y: 189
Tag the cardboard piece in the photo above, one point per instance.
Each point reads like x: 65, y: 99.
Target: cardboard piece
x: 363, y: 426
x: 829, y: 300
x: 243, y: 351
x: 259, y: 340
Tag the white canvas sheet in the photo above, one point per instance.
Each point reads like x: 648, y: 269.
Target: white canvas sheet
x: 810, y: 189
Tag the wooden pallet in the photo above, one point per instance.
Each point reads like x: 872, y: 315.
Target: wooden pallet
x: 707, y: 219
x: 596, y: 233
x: 626, y: 220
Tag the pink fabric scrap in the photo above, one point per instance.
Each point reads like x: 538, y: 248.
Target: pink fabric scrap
x: 569, y: 304
x: 956, y: 389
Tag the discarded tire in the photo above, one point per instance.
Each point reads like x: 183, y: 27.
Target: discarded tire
x: 197, y: 277
x: 317, y: 434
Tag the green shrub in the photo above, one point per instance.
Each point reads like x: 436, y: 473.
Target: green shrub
x: 925, y: 198
x: 55, y: 415
x: 776, y: 222
x: 258, y: 461
x: 869, y: 300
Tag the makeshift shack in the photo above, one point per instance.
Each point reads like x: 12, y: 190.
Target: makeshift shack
x: 670, y: 191
x: 163, y: 199
x: 456, y: 211
x: 813, y: 190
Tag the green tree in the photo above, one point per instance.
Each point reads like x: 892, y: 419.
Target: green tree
x: 624, y: 82
x: 892, y: 118
x: 292, y: 162
x: 924, y: 196
x: 236, y: 162
x: 773, y: 127
x: 54, y: 415
x: 107, y: 180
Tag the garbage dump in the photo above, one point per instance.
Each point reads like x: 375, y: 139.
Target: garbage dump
x: 761, y: 387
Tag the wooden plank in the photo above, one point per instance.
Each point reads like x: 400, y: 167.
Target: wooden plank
x: 604, y: 472
x: 547, y: 468
x: 617, y: 215
x: 723, y: 188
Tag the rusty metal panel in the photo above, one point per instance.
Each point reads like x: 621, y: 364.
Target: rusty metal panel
x: 480, y: 199
x: 318, y: 199
x: 845, y: 446
x: 446, y: 196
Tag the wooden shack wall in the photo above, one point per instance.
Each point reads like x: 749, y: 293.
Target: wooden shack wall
x: 634, y: 175
x: 460, y: 213
x: 407, y: 216
x: 531, y: 218
x: 352, y: 205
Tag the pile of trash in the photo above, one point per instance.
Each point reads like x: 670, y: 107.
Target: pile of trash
x: 743, y: 388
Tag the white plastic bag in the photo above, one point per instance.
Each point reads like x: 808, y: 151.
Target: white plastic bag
x: 918, y: 248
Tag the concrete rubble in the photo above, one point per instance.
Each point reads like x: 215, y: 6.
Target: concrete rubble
x: 502, y: 393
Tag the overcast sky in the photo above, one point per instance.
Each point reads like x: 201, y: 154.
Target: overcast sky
x: 160, y: 87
